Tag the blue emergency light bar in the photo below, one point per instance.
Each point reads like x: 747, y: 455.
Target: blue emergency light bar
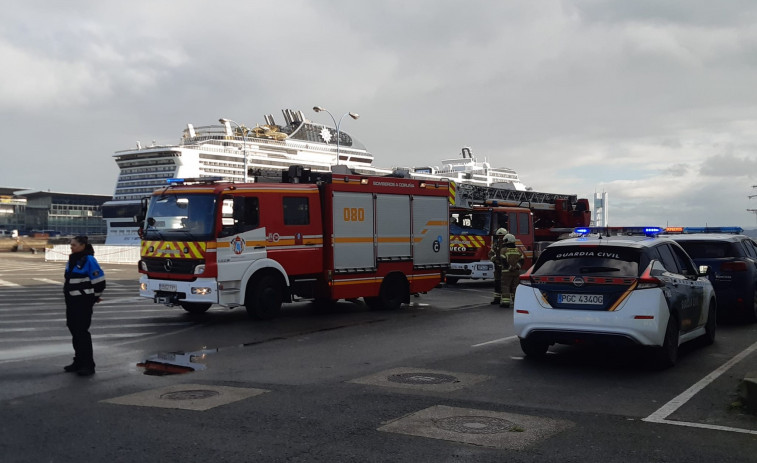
x: 618, y: 231
x: 731, y: 230
x: 176, y: 181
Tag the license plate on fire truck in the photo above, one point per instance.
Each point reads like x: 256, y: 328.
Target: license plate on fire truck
x: 595, y: 299
x: 167, y: 287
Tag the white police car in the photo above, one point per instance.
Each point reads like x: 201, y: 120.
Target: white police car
x: 610, y: 288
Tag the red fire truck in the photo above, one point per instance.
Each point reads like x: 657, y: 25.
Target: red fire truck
x: 535, y: 219
x: 314, y: 236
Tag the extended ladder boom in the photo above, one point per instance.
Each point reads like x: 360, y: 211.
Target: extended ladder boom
x: 467, y: 195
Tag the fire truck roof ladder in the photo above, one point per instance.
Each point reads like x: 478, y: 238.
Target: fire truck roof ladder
x: 469, y: 195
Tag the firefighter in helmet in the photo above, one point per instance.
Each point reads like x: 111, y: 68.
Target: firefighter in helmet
x: 513, y: 259
x: 497, y: 257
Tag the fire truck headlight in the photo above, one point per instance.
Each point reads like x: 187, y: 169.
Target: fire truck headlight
x: 143, y: 286
x: 201, y: 291
x: 200, y: 269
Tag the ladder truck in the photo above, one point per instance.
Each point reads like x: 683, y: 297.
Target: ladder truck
x: 535, y: 219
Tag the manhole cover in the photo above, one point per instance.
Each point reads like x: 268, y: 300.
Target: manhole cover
x: 475, y: 424
x: 190, y: 395
x: 422, y: 378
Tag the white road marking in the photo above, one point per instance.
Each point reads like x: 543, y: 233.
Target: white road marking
x: 509, y: 338
x: 52, y: 282
x: 134, y: 325
x: 8, y: 283
x: 677, y: 402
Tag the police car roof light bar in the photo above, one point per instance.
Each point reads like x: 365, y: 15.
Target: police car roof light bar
x: 618, y: 231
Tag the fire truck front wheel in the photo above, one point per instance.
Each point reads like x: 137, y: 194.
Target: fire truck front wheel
x: 195, y: 307
x: 264, y: 297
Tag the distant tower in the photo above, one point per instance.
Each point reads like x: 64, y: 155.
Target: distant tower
x: 601, y: 215
x: 754, y: 211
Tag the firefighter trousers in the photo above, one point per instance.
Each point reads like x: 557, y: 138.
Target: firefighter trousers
x: 497, y: 284
x: 510, y: 280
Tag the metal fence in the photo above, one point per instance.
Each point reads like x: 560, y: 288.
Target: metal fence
x: 104, y: 254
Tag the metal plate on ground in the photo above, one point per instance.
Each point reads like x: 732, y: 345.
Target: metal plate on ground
x: 198, y: 397
x: 478, y: 427
x: 421, y: 379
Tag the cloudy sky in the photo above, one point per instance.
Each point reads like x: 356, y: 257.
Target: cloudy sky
x: 651, y: 101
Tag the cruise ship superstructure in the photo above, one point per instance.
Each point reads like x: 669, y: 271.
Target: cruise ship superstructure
x: 220, y: 150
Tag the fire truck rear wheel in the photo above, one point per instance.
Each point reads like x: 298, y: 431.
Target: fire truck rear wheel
x: 195, y: 307
x: 393, y: 292
x: 263, y: 299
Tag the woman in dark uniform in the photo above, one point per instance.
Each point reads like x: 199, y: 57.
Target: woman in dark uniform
x: 85, y: 282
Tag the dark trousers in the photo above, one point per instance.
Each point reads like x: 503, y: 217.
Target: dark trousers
x: 78, y: 319
x: 497, y: 282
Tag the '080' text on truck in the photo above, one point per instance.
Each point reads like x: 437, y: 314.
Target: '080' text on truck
x: 326, y: 237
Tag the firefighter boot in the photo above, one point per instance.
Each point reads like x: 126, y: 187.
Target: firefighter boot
x: 505, y: 301
x: 497, y: 299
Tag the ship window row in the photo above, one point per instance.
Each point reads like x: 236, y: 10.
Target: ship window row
x: 140, y: 170
x: 216, y: 157
x: 129, y: 178
x: 161, y: 162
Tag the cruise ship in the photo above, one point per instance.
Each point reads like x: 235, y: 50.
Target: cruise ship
x: 270, y: 148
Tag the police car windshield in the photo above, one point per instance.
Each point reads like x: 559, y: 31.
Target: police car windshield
x: 610, y: 261
x: 180, y: 216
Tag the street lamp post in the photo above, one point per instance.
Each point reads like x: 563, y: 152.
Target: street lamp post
x: 352, y: 115
x: 225, y: 121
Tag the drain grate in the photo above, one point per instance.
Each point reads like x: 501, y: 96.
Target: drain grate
x: 475, y: 424
x: 422, y: 378
x: 194, y: 394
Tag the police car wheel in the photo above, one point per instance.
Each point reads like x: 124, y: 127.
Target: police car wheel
x: 751, y: 316
x: 195, y: 307
x: 711, y: 325
x: 666, y: 355
x: 534, y: 349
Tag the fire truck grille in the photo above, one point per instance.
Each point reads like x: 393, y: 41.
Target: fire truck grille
x: 175, y: 266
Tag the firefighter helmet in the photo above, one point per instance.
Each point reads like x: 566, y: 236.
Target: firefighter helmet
x: 509, y: 239
x: 501, y: 232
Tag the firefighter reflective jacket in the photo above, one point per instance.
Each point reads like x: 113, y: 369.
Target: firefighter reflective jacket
x: 84, y: 278
x: 514, y: 259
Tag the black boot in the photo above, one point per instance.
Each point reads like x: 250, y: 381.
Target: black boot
x: 73, y: 368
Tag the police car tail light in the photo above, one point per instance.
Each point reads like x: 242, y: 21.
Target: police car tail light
x: 648, y: 282
x: 525, y: 279
x: 738, y: 266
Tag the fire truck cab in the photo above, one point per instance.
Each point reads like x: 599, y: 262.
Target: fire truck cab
x: 535, y: 219
x: 472, y: 231
x: 324, y: 237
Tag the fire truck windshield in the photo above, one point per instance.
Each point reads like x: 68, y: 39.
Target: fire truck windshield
x: 470, y: 223
x: 187, y: 217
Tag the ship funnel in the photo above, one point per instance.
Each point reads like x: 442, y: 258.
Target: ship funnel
x: 269, y: 119
x: 287, y: 117
x: 300, y: 116
x: 191, y: 130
